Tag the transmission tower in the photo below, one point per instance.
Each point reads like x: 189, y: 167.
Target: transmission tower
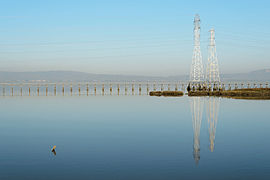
x: 196, y: 106
x: 212, y: 69
x: 196, y: 71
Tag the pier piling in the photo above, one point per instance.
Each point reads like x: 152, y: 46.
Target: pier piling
x: 223, y: 86
x: 132, y: 89
x: 87, y: 89
x: 110, y: 89
x: 126, y: 89
x: 55, y: 90
x: 38, y: 90
x: 63, y: 89
x: 4, y: 91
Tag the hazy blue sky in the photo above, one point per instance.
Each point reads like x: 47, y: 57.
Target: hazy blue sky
x: 148, y: 37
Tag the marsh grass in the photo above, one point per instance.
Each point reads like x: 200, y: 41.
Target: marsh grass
x: 248, y: 93
x: 166, y: 93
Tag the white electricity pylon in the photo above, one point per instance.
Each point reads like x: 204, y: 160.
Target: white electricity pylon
x: 196, y: 71
x: 212, y: 69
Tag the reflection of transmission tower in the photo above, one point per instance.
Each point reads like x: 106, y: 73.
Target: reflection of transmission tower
x: 212, y: 69
x: 196, y: 71
x: 212, y: 109
x: 196, y: 104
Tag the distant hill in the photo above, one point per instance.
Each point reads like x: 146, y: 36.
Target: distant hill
x: 73, y: 76
x: 259, y: 75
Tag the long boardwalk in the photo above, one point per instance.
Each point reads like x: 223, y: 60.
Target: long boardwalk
x: 105, y: 88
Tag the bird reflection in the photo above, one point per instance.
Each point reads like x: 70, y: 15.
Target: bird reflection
x: 54, y: 152
x: 196, y: 106
x: 212, y: 109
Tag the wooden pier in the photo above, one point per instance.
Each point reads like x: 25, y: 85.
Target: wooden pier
x: 110, y: 88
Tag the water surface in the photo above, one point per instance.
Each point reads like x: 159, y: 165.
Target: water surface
x: 134, y: 137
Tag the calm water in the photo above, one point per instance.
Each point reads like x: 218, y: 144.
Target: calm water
x: 134, y: 137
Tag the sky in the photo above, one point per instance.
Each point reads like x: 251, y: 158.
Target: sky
x: 142, y: 37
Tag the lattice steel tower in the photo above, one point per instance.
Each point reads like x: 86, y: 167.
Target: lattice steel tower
x: 212, y: 69
x: 196, y: 71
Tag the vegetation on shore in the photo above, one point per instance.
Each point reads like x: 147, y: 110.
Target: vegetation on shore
x: 247, y: 93
x: 166, y: 93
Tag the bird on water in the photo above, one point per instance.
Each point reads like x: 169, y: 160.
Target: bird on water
x: 53, y: 150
